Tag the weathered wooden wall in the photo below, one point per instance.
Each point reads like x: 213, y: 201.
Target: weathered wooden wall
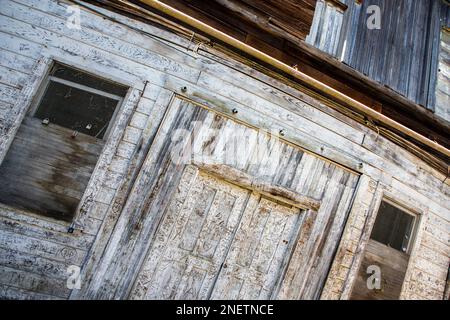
x: 36, y: 251
x: 326, y: 27
x: 175, y: 256
x: 443, y: 79
x: 401, y: 55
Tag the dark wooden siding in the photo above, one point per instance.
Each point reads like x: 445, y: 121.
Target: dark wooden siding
x: 442, y: 108
x: 292, y: 17
x: 285, y: 167
x: 403, y: 53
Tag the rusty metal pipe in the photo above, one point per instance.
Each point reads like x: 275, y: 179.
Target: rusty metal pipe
x: 304, y: 78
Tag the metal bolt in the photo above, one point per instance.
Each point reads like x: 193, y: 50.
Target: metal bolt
x: 235, y: 111
x: 282, y: 133
x: 183, y: 89
x: 360, y: 165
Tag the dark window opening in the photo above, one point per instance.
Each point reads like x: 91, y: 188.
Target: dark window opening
x: 70, y: 74
x: 50, y: 162
x: 393, y: 227
x: 76, y: 100
x: 388, y: 249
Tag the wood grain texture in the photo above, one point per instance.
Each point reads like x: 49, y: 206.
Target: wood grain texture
x: 403, y: 54
x: 273, y: 191
x: 135, y: 182
x: 443, y: 77
x: 215, y: 142
x: 53, y: 169
x: 392, y: 264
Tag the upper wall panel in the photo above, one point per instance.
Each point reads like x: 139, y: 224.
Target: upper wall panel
x: 401, y: 53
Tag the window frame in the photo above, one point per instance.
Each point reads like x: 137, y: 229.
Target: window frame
x: 415, y: 224
x: 47, y: 79
x: 384, y: 192
x: 31, y: 98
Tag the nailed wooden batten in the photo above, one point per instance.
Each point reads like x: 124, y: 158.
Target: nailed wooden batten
x: 244, y: 180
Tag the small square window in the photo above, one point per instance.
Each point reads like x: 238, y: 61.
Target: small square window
x: 393, y: 227
x: 50, y: 162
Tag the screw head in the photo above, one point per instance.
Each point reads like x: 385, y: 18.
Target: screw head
x: 282, y: 133
x: 234, y: 111
x: 183, y: 89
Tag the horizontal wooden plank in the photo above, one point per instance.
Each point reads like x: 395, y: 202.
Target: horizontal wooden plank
x: 265, y: 106
x: 80, y: 55
x: 11, y: 77
x: 392, y: 264
x: 97, y: 40
x: 61, y: 136
x: 8, y: 93
x: 19, y: 46
x: 34, y: 284
x: 134, y: 37
x: 272, y: 191
x: 14, y: 61
x: 41, y: 248
x: 13, y: 293
x: 30, y: 197
x: 29, y: 263
x: 76, y: 240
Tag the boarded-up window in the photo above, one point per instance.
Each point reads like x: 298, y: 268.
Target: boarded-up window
x: 56, y: 148
x: 388, y: 249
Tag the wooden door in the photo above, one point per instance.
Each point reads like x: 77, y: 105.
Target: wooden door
x: 192, y: 240
x: 217, y: 240
x: 244, y: 215
x: 259, y: 252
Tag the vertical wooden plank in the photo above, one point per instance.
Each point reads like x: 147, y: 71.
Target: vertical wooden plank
x: 175, y: 268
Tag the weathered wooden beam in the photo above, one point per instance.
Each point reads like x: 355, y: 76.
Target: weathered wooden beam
x: 247, y: 181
